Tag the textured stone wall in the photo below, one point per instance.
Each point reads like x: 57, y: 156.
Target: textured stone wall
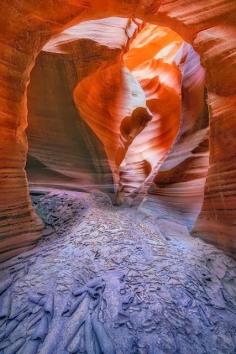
x: 63, y: 150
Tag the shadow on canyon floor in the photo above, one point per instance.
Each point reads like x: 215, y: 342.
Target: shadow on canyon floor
x: 109, y: 280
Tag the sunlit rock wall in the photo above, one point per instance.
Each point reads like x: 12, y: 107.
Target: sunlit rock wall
x: 177, y: 190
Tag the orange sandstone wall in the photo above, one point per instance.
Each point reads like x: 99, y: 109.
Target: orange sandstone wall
x: 178, y: 188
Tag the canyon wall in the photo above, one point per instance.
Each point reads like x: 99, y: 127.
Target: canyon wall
x: 178, y: 188
x: 63, y: 151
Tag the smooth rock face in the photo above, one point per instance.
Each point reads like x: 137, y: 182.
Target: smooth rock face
x: 178, y: 187
x: 63, y: 151
x: 26, y: 27
x: 107, y: 280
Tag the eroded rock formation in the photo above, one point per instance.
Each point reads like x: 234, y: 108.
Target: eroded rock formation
x: 107, y: 91
x: 63, y: 151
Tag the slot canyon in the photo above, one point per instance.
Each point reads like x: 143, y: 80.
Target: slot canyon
x: 118, y: 177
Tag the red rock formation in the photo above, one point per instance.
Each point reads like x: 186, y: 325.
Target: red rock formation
x: 120, y: 96
x: 179, y: 185
x: 121, y: 121
x: 63, y: 151
x: 217, y: 219
x: 153, y: 59
x: 25, y: 26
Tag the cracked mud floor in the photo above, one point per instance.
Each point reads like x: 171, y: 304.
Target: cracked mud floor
x: 110, y: 280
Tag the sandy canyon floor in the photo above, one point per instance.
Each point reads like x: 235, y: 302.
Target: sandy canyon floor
x: 107, y: 279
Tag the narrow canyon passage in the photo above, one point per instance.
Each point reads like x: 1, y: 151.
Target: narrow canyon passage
x: 107, y: 279
x: 117, y: 177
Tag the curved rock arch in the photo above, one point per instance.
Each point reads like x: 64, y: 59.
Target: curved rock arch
x: 210, y: 28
